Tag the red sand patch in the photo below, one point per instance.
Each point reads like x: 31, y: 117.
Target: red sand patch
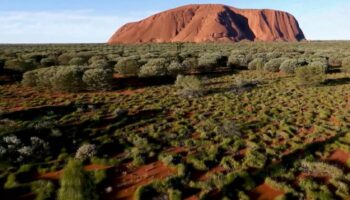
x: 339, y: 156
x: 125, y: 185
x: 265, y: 192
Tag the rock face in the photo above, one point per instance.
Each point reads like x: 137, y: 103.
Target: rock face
x: 209, y: 23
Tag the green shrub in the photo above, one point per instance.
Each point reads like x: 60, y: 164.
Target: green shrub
x: 154, y: 67
x: 311, y: 75
x: 64, y: 59
x: 68, y: 79
x: 254, y: 159
x: 19, y: 65
x: 289, y: 65
x: 104, y: 64
x: 30, y: 79
x: 76, y: 184
x: 11, y: 182
x: 175, y: 194
x: 176, y: 68
x: 96, y: 58
x: 44, y: 190
x: 321, y: 168
x: 256, y: 64
x: 128, y: 66
x: 346, y: 65
x: 189, y: 86
x: 60, y: 78
x: 85, y: 151
x: 237, y: 61
x: 77, y: 61
x: 273, y: 65
x: 98, y: 79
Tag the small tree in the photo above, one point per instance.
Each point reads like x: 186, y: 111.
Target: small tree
x: 76, y: 184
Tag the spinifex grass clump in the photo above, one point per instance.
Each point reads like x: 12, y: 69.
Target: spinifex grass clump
x: 189, y: 86
x: 76, y: 184
x: 312, y: 75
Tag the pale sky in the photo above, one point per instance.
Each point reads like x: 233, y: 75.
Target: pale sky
x: 94, y: 21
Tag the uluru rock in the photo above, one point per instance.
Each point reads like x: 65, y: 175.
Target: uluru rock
x: 211, y: 23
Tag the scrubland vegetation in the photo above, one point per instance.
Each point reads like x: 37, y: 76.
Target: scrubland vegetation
x: 175, y: 121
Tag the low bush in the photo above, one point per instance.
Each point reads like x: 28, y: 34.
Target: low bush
x: 289, y: 65
x: 19, y: 65
x: 273, y: 65
x: 85, y: 151
x: 335, y: 61
x: 13, y: 147
x: 190, y: 63
x: 176, y: 68
x: 237, y: 61
x: 154, y: 67
x: 256, y: 64
x: 69, y: 78
x: 254, y: 159
x: 44, y: 190
x: 64, y: 59
x: 104, y: 64
x: 76, y: 184
x: 77, y: 61
x: 346, y: 65
x: 98, y: 79
x: 321, y: 168
x: 189, y: 86
x: 128, y: 66
x: 311, y: 75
